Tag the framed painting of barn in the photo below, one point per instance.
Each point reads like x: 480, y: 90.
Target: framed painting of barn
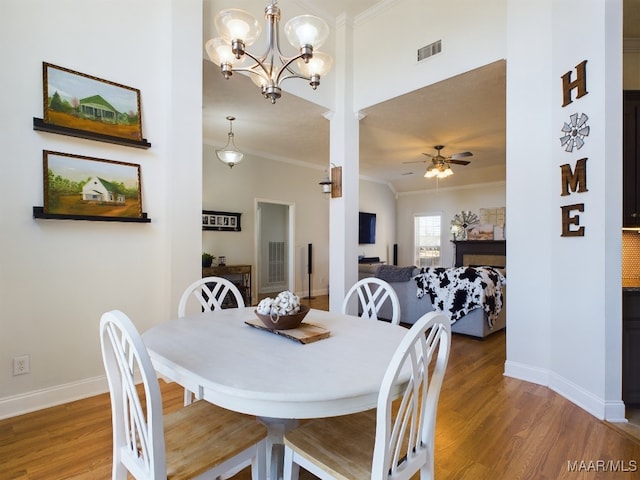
x: 75, y: 102
x: 79, y: 186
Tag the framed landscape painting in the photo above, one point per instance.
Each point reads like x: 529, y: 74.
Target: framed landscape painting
x: 81, y: 102
x: 92, y: 187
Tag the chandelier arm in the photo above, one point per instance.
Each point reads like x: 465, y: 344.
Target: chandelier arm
x: 293, y: 75
x: 286, y: 62
x: 259, y: 63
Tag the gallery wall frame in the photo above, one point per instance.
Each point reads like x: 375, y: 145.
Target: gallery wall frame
x: 221, y: 221
x: 81, y: 105
x: 78, y: 187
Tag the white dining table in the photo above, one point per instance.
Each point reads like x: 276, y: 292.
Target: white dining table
x: 253, y: 371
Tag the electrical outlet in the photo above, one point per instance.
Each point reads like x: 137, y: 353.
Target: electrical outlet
x: 21, y: 365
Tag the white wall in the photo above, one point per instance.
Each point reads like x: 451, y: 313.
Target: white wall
x: 447, y: 202
x: 565, y: 314
x: 237, y: 189
x: 472, y: 34
x: 531, y: 222
x: 58, y: 276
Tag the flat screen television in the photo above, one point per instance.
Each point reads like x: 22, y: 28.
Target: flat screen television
x: 367, y: 228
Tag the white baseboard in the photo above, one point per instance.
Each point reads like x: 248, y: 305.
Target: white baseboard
x: 527, y: 373
x: 615, y: 412
x: 49, y: 397
x: 611, y: 411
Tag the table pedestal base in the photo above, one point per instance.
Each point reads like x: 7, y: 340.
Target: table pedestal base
x: 275, y: 444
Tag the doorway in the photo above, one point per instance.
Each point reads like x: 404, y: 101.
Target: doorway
x: 274, y: 252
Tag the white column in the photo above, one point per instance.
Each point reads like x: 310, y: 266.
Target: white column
x: 344, y: 152
x: 184, y: 142
x: 564, y: 294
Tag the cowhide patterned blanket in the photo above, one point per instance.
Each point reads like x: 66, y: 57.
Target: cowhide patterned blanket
x: 457, y: 291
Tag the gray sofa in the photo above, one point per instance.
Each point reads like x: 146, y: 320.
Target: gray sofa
x: 475, y: 323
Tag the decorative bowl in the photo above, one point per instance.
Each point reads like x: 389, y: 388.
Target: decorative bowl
x: 284, y: 322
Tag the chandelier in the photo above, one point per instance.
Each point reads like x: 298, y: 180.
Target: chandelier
x: 229, y: 154
x: 239, y: 29
x: 439, y: 171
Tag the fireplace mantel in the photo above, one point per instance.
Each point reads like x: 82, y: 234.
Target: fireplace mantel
x: 477, y: 253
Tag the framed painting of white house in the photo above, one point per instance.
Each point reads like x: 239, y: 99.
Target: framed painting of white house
x: 82, y: 186
x: 83, y: 103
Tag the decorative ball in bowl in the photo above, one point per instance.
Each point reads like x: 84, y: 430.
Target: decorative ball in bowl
x: 283, y: 322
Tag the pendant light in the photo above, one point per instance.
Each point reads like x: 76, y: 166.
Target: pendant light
x: 229, y: 154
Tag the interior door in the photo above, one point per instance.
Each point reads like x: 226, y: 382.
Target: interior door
x: 274, y: 252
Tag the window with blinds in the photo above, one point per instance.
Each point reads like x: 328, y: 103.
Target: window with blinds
x: 427, y: 231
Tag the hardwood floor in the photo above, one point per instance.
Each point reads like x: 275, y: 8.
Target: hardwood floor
x: 489, y: 427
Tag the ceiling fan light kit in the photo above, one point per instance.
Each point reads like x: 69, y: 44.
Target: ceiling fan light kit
x: 439, y: 171
x: 239, y: 29
x: 440, y: 165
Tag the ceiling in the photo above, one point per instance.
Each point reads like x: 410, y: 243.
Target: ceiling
x: 464, y: 113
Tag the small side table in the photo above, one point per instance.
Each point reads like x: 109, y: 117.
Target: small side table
x: 240, y: 275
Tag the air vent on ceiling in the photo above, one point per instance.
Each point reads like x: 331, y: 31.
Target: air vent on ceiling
x: 429, y: 50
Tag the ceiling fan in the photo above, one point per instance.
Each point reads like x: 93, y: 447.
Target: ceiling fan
x: 440, y: 166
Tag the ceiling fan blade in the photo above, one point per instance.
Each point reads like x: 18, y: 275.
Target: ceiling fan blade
x: 416, y: 161
x: 428, y: 155
x: 459, y: 162
x: 461, y: 155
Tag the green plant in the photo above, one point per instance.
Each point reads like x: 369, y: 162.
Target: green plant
x: 207, y: 259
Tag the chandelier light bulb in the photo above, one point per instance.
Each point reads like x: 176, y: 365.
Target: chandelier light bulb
x: 306, y: 30
x: 234, y: 24
x: 305, y: 35
x: 319, y: 64
x: 238, y: 29
x: 219, y: 51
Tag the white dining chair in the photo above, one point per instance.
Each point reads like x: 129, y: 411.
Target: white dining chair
x: 200, y: 440
x: 211, y: 293
x: 372, y: 293
x: 397, y: 439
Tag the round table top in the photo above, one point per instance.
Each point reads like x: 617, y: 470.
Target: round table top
x: 254, y: 371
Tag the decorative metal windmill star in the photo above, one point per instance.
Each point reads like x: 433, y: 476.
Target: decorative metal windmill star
x: 460, y: 222
x: 575, y: 132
